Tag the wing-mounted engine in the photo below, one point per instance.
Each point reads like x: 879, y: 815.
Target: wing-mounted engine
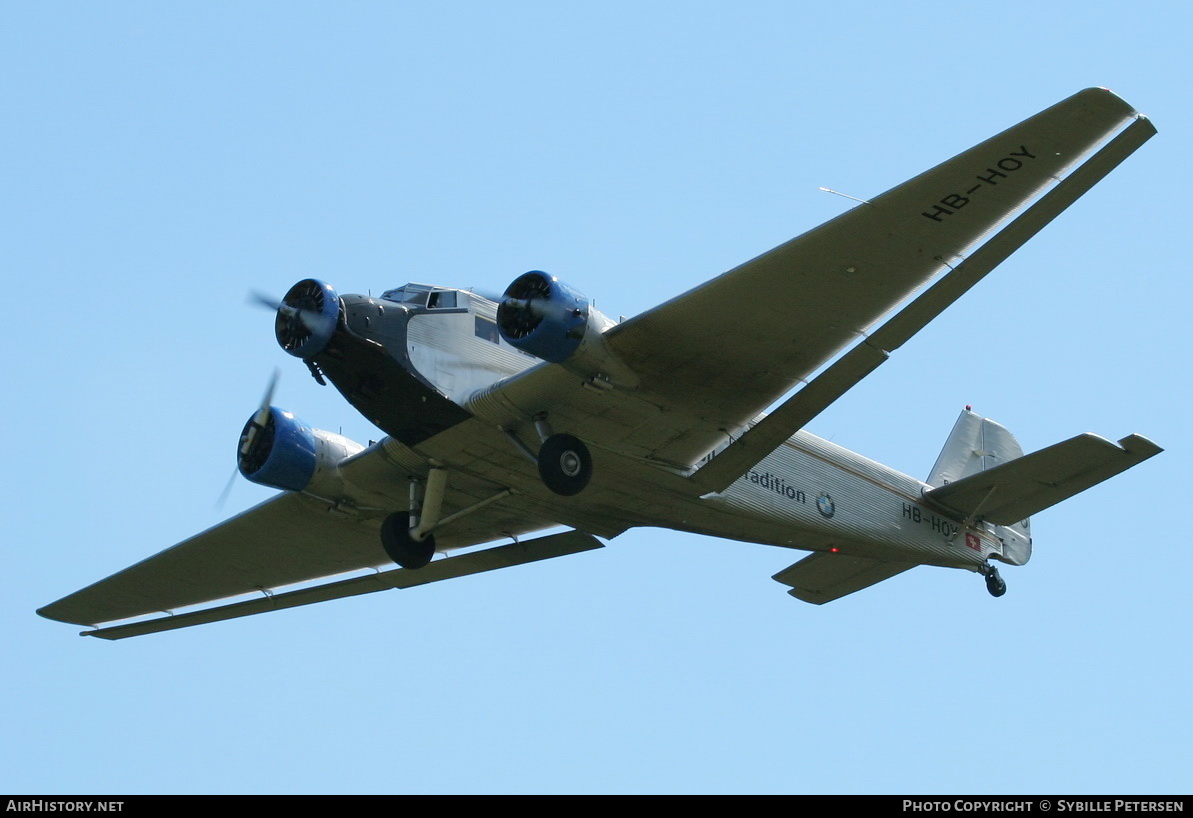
x: 279, y: 450
x: 541, y: 315
x: 544, y: 316
x: 307, y: 318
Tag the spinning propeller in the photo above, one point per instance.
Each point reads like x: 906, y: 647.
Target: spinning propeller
x: 541, y: 315
x: 257, y: 424
x: 306, y: 317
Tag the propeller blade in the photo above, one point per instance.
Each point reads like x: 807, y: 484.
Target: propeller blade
x: 223, y: 498
x: 312, y: 320
x: 262, y: 300
x: 260, y: 417
x: 267, y: 398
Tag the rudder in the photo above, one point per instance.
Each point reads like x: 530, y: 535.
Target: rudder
x: 975, y: 444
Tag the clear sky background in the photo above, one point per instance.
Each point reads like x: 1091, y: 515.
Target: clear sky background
x: 161, y: 160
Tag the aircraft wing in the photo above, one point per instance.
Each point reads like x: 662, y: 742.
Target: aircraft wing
x: 475, y: 562
x: 295, y: 538
x: 709, y: 361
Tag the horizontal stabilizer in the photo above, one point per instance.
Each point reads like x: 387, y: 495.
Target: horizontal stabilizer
x: 825, y: 576
x: 555, y: 545
x: 1017, y: 489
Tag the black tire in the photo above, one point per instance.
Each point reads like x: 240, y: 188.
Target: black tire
x: 565, y: 464
x: 996, y: 585
x: 401, y: 547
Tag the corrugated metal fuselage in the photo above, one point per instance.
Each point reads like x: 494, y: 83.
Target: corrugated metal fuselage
x: 809, y: 494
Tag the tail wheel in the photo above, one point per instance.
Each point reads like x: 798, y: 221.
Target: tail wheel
x: 565, y: 465
x: 400, y: 546
x: 995, y: 584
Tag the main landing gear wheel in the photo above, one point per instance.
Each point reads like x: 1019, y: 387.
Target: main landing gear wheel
x: 994, y: 583
x: 565, y: 464
x: 400, y: 546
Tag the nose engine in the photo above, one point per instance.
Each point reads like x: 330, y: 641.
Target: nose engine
x: 307, y: 318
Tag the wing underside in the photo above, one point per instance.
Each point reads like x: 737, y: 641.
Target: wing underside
x: 295, y: 538
x: 876, y: 348
x: 475, y: 562
x: 711, y: 360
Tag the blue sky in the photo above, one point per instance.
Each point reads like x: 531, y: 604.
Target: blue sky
x: 160, y: 161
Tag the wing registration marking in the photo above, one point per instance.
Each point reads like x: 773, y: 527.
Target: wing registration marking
x: 990, y: 177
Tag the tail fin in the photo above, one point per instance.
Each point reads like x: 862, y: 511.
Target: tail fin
x: 975, y: 444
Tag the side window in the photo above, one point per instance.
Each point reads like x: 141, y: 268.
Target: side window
x: 487, y: 329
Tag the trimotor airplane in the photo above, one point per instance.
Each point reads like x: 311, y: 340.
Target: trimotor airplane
x: 506, y: 417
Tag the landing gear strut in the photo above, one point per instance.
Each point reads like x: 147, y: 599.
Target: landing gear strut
x: 406, y: 535
x: 994, y: 583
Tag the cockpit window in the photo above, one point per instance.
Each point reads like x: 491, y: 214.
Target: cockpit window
x: 420, y: 295
x: 408, y: 294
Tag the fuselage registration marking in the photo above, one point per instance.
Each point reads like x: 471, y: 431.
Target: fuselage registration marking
x: 918, y: 515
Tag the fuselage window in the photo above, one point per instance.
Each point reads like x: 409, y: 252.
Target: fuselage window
x: 487, y: 329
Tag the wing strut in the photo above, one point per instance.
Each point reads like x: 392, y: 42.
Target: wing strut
x: 764, y: 437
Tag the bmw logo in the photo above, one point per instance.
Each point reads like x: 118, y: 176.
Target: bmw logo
x: 825, y: 505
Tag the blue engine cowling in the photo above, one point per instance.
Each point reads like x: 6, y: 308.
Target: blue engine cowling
x: 307, y: 318
x: 541, y: 315
x: 284, y: 453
